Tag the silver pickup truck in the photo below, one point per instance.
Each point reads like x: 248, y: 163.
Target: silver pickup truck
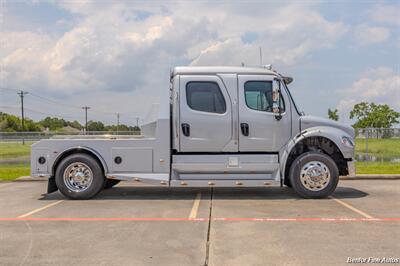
x: 219, y: 127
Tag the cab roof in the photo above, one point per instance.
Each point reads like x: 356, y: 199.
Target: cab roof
x: 187, y: 70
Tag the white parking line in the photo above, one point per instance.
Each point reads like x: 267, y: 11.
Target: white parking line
x: 195, y: 208
x: 354, y: 209
x: 40, y: 209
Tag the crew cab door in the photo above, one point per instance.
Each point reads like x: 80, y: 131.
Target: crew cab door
x: 205, y: 115
x: 260, y: 129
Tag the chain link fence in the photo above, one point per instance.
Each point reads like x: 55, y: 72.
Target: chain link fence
x: 15, y: 146
x: 36, y: 136
x: 377, y: 133
x: 361, y: 133
x: 378, y: 145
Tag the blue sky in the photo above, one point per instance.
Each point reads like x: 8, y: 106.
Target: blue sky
x: 115, y: 56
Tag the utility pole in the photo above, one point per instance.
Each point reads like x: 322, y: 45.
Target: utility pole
x: 85, y: 108
x: 117, y: 123
x: 260, y: 56
x: 21, y: 95
x: 137, y: 121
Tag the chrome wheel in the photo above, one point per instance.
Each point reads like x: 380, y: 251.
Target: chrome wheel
x: 315, y: 176
x: 78, y: 177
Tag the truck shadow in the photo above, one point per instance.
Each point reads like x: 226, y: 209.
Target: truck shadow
x: 124, y: 192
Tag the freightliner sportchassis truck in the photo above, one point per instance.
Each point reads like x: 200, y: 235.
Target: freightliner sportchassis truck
x: 219, y: 127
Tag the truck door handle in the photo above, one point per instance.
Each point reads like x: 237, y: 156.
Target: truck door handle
x: 245, y: 129
x: 186, y: 129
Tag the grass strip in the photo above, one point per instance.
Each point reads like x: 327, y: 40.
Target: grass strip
x: 10, y: 172
x: 377, y: 168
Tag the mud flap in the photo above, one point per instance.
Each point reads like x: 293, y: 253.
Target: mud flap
x: 51, y: 185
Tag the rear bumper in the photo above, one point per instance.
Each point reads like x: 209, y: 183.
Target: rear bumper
x: 351, y: 168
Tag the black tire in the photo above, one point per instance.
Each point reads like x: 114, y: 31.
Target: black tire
x: 295, y: 178
x: 109, y: 183
x: 96, y: 185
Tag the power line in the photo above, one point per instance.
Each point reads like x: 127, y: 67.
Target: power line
x: 128, y: 115
x: 39, y: 112
x: 8, y: 89
x: 106, y: 122
x: 103, y: 112
x: 55, y: 102
x: 68, y: 105
x: 58, y: 103
x: 9, y: 106
x: 53, y: 115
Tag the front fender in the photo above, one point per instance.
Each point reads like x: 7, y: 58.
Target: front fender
x: 333, y: 134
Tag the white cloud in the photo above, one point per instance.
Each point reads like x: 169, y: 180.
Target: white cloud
x: 388, y: 14
x: 111, y: 49
x: 365, y: 34
x: 284, y: 41
x: 380, y: 85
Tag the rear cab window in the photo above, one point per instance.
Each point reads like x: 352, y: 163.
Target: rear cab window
x: 205, y: 96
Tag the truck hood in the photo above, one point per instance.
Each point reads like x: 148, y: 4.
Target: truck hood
x: 308, y: 121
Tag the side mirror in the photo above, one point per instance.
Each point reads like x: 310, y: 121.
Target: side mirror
x: 276, y: 108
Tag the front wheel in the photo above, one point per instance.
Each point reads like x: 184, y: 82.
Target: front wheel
x: 314, y: 175
x: 79, y: 176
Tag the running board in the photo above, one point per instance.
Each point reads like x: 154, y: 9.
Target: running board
x: 163, y: 180
x: 224, y: 183
x: 150, y: 179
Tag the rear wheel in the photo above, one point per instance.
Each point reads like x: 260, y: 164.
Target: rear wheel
x: 79, y: 176
x: 314, y: 175
x: 109, y: 183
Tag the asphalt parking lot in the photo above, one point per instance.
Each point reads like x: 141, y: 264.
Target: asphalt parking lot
x: 130, y: 225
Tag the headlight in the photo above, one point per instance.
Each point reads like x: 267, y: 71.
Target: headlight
x: 347, y: 142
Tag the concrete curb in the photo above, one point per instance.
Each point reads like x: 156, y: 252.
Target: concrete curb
x: 357, y: 177
x: 372, y: 177
x: 29, y: 179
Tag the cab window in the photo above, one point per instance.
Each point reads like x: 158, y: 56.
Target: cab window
x: 258, y: 95
x: 205, y: 97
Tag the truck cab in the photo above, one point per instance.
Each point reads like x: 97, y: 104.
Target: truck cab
x: 219, y: 127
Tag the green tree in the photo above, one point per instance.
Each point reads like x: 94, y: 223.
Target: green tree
x: 9, y: 123
x: 333, y: 114
x: 122, y: 128
x: 95, y: 126
x: 374, y: 115
x: 31, y: 125
x: 53, y: 123
x: 12, y: 123
x: 75, y: 124
x: 136, y: 129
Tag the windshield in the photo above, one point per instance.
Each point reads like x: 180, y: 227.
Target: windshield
x: 291, y: 97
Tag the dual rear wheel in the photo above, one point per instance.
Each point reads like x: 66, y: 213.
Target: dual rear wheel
x: 79, y: 176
